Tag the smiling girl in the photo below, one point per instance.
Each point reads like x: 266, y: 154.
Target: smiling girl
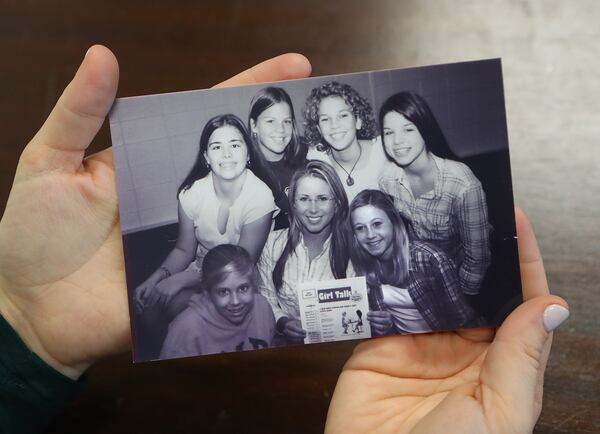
x: 273, y: 127
x: 413, y: 286
x: 221, y: 201
x: 342, y: 132
x: 440, y: 197
x: 228, y: 314
x: 313, y: 248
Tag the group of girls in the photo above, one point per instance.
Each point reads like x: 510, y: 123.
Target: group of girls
x: 264, y: 209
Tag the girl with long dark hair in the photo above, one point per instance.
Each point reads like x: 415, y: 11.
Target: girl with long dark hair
x: 221, y: 201
x: 440, y: 197
x: 313, y: 248
x: 413, y: 286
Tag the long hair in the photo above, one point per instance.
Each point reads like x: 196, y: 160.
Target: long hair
x: 200, y: 168
x: 359, y: 105
x: 295, y: 152
x: 370, y: 266
x: 414, y: 108
x: 338, y: 252
x: 224, y: 259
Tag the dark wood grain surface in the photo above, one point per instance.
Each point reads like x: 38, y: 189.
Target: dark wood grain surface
x: 550, y: 54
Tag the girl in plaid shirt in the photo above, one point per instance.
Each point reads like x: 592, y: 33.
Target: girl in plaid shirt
x: 413, y: 286
x: 440, y: 197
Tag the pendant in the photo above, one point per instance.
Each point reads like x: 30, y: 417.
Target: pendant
x: 349, y: 181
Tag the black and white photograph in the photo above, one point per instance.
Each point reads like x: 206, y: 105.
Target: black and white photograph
x: 231, y: 199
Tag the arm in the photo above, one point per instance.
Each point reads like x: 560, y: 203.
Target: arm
x: 473, y: 228
x: 266, y: 264
x: 180, y: 257
x: 254, y: 235
x: 449, y: 307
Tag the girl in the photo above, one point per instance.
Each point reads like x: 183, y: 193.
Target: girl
x: 228, y: 314
x: 220, y: 202
x: 440, y: 197
x: 313, y: 248
x: 273, y: 126
x: 340, y: 127
x: 413, y: 287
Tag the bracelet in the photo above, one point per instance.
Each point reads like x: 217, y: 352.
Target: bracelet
x: 165, y: 271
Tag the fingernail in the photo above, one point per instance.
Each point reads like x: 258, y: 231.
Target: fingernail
x: 554, y: 315
x: 87, y: 52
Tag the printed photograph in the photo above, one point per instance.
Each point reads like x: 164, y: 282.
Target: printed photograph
x: 386, y: 196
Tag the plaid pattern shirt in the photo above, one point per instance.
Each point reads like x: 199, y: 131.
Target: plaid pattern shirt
x: 453, y: 216
x: 434, y: 288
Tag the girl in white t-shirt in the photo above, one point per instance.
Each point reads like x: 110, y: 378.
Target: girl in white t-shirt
x: 220, y: 202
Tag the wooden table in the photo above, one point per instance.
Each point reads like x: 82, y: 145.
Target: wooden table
x: 550, y: 55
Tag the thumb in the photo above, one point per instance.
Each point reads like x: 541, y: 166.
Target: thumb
x: 512, y: 374
x: 76, y: 118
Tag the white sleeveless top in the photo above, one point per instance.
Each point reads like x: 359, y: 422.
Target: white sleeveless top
x: 405, y: 314
x: 201, y: 205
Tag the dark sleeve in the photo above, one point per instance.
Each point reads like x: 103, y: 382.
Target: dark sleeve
x: 31, y: 392
x: 452, y: 308
x: 474, y: 233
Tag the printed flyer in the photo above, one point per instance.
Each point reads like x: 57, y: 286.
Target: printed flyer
x: 334, y: 310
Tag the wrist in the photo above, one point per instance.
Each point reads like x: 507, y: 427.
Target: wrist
x: 17, y: 316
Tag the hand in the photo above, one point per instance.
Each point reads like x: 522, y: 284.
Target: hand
x: 142, y: 293
x: 381, y: 322
x: 62, y: 283
x: 293, y: 330
x: 470, y: 381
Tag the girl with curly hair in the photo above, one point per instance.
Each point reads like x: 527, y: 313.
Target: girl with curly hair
x: 341, y: 130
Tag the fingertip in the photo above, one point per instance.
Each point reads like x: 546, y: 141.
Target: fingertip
x: 297, y: 64
x: 101, y: 67
x: 543, y: 311
x: 554, y: 315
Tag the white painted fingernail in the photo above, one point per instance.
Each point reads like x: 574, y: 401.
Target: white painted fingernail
x: 555, y: 315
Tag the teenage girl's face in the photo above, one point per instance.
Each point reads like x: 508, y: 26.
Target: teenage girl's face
x: 274, y: 130
x: 373, y: 230
x: 337, y: 123
x: 227, y: 153
x: 402, y: 140
x: 314, y: 204
x: 233, y: 297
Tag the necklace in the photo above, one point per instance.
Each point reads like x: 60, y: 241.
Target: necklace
x: 349, y: 179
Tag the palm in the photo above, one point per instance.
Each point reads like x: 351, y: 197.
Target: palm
x: 395, y: 384
x: 69, y: 257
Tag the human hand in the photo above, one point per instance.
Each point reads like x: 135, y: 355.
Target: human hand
x: 293, y: 330
x: 143, y: 291
x: 381, y: 322
x: 468, y: 381
x: 62, y: 283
